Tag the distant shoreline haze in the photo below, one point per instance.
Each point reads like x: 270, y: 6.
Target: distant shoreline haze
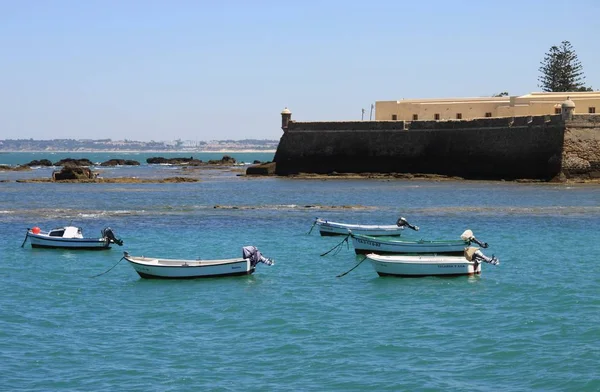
x: 107, y: 145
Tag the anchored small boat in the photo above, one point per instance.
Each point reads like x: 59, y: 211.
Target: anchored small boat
x: 70, y: 237
x: 368, y: 244
x: 431, y: 265
x: 158, y: 268
x: 329, y: 228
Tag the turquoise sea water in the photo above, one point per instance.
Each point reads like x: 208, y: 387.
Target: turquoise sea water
x: 531, y: 323
x: 21, y: 158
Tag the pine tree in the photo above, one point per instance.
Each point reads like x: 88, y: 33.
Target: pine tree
x: 561, y: 70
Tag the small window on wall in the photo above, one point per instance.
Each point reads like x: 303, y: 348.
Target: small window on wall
x: 488, y: 114
x: 458, y: 116
x: 436, y: 116
x: 557, y: 110
x: 592, y: 110
x: 415, y: 117
x: 394, y: 117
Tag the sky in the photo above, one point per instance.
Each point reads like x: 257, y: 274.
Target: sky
x: 211, y: 70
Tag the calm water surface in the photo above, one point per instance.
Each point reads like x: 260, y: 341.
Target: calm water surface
x: 531, y: 323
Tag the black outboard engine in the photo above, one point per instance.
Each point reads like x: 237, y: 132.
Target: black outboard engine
x: 108, y: 233
x: 404, y: 223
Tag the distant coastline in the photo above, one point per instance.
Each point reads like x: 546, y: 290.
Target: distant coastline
x: 237, y: 151
x: 132, y: 146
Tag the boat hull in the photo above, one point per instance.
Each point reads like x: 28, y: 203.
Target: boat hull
x: 420, y: 266
x: 40, y: 241
x: 368, y: 244
x: 333, y: 229
x: 148, y: 268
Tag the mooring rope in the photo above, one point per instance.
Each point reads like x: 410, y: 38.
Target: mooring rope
x: 340, y: 275
x: 311, y: 228
x: 25, y: 240
x: 108, y: 269
x: 338, y: 247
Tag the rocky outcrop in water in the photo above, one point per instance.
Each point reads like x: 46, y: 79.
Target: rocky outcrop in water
x: 262, y: 169
x: 174, y: 161
x: 120, y: 162
x: 69, y: 172
x: 41, y: 162
x: 74, y: 162
x: 226, y: 160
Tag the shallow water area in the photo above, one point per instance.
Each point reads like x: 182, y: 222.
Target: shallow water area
x: 531, y: 323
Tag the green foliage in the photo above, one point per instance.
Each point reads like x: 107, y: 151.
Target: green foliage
x: 502, y: 94
x: 561, y: 70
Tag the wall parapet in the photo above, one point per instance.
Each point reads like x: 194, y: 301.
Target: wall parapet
x: 484, y: 123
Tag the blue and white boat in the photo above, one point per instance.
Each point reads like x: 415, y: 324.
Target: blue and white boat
x: 431, y: 265
x: 369, y: 244
x: 329, y: 228
x: 160, y: 268
x: 70, y: 237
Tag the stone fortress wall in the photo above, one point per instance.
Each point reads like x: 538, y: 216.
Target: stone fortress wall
x: 509, y: 148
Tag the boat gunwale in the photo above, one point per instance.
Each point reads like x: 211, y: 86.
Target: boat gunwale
x: 181, y: 263
x: 321, y: 222
x: 422, y: 260
x: 408, y: 243
x: 63, y: 239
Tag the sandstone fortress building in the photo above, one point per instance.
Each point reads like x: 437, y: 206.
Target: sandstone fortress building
x: 533, y: 104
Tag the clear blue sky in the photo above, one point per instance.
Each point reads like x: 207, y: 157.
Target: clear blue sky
x: 204, y: 70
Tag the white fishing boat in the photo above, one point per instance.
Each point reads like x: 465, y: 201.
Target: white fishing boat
x: 70, y: 237
x: 368, y: 244
x: 329, y: 228
x: 159, y: 268
x: 430, y: 265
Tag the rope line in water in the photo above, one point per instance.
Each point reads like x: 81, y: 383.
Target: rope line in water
x: 340, y: 275
x: 311, y: 228
x: 108, y: 269
x: 25, y: 240
x: 338, y: 247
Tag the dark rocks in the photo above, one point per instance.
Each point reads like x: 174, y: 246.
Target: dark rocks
x: 226, y: 160
x: 74, y: 162
x: 41, y: 162
x: 69, y: 172
x: 264, y: 169
x: 120, y: 162
x: 179, y: 179
x: 174, y: 161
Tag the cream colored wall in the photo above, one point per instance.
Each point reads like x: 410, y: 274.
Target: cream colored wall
x: 525, y: 105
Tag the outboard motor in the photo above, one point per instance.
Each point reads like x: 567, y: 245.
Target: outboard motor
x: 252, y: 253
x: 404, y: 223
x: 108, y: 233
x: 474, y: 254
x: 469, y: 237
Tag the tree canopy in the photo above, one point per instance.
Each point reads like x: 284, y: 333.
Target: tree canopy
x: 561, y: 70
